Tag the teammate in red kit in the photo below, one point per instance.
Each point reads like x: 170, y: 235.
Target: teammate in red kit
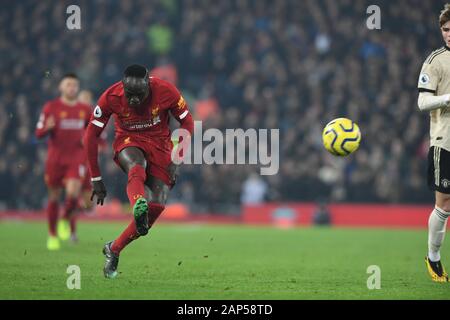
x: 142, y: 149
x: 64, y: 121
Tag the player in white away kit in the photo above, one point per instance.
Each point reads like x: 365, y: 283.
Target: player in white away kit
x: 434, y: 97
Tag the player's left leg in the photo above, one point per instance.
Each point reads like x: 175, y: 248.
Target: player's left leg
x: 158, y: 192
x: 54, y: 174
x: 67, y: 225
x: 156, y: 195
x: 133, y: 161
x: 437, y: 225
x: 438, y: 180
x: 86, y: 203
x: 54, y: 194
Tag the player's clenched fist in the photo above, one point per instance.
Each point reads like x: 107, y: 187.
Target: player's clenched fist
x: 99, y: 190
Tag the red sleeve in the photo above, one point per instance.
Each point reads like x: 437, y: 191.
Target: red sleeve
x: 97, y: 123
x: 179, y: 108
x: 180, y: 111
x: 40, y: 126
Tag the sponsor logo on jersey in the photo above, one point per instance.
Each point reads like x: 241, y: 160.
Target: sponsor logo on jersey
x: 72, y: 124
x: 424, y: 79
x: 140, y: 125
x: 97, y: 112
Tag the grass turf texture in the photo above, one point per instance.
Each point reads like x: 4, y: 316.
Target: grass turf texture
x: 220, y: 262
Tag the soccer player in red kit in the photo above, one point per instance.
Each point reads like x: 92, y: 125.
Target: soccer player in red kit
x: 142, y: 148
x: 63, y: 120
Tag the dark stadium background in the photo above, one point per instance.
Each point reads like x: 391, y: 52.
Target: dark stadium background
x: 292, y: 65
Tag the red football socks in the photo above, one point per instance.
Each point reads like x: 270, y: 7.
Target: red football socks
x: 128, y: 235
x: 154, y: 210
x: 52, y: 216
x: 69, y: 207
x: 135, y: 186
x: 73, y: 224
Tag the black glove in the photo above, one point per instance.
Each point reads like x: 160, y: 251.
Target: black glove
x: 173, y: 172
x: 99, y: 190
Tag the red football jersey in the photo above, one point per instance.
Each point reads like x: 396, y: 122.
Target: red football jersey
x: 65, y: 143
x: 147, y: 121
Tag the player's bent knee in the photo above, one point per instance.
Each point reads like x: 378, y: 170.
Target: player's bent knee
x: 443, y: 201
x: 73, y: 187
x: 131, y: 157
x: 159, y: 198
x: 54, y: 194
x: 445, y: 206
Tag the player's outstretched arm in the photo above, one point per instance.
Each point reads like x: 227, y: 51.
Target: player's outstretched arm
x: 428, y: 101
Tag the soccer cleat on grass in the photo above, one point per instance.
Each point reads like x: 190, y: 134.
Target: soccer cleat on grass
x: 111, y: 262
x: 63, y: 229
x: 436, y: 270
x: 140, y: 212
x: 53, y: 243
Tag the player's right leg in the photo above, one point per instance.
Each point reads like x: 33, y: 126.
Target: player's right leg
x: 437, y: 225
x: 67, y: 225
x: 54, y: 174
x: 438, y: 180
x: 132, y: 161
x: 54, y: 193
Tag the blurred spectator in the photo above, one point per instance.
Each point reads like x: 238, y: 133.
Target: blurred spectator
x: 254, y: 190
x: 321, y: 216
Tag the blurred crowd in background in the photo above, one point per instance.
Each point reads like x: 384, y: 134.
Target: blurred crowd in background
x: 288, y: 65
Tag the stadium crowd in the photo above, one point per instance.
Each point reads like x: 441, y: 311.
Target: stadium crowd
x: 288, y: 65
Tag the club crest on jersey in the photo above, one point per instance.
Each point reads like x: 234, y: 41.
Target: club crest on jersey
x: 82, y: 114
x: 445, y: 183
x: 97, y: 112
x: 63, y: 114
x: 181, y: 103
x: 424, y: 79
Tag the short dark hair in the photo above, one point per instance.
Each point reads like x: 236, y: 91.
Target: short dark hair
x: 445, y: 15
x: 136, y: 70
x: 72, y: 75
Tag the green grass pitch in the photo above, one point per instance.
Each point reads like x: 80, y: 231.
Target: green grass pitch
x: 220, y: 262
